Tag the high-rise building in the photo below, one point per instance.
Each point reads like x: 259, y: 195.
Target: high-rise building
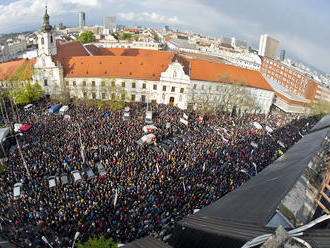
x: 110, y: 23
x: 268, y: 46
x: 167, y: 28
x: 282, y: 55
x: 81, y: 19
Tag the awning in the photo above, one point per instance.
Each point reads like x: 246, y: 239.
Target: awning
x: 25, y: 128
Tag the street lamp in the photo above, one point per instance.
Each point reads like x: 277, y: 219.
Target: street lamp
x: 75, y: 238
x: 46, y: 241
x: 20, y: 151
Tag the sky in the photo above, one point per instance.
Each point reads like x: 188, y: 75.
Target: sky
x: 301, y: 26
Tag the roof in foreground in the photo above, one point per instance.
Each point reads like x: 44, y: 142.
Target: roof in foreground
x: 257, y: 200
x: 8, y: 68
x: 147, y: 242
x: 244, y: 213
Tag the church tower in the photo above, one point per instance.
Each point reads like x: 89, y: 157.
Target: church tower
x: 46, y: 38
x: 46, y: 72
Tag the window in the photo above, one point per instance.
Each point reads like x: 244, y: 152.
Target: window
x: 144, y: 85
x: 45, y: 82
x: 113, y: 83
x: 85, y: 94
x: 103, y: 95
x: 134, y: 86
x: 103, y: 83
x: 42, y: 41
x: 133, y: 98
x: 67, y: 83
x: 202, y: 87
x: 164, y: 88
x: 123, y: 96
x: 123, y: 84
x: 194, y: 86
x: 113, y: 96
x: 84, y: 83
x: 51, y: 39
x: 74, y: 83
x: 155, y: 86
x: 143, y: 98
x: 93, y: 83
x: 181, y: 90
x: 94, y: 95
x: 173, y: 89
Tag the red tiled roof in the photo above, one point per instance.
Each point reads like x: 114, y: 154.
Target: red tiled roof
x: 70, y: 49
x: 8, y: 68
x: 218, y: 72
x: 126, y: 63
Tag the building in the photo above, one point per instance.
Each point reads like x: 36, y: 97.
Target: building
x: 110, y: 23
x: 282, y: 55
x: 183, y: 80
x: 268, y: 47
x: 81, y: 19
x: 295, y: 90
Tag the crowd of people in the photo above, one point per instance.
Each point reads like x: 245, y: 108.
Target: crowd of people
x: 143, y: 192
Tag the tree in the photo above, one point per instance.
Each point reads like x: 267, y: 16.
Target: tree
x: 98, y: 243
x: 224, y: 97
x: 86, y: 37
x: 25, y: 93
x: 320, y: 107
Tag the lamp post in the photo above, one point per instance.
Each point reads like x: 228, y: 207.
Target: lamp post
x: 46, y: 241
x: 75, y: 238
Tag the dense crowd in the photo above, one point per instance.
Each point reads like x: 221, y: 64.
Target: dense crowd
x: 144, y: 192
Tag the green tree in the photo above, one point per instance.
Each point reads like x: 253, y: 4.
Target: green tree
x: 98, y: 243
x: 2, y: 170
x: 25, y: 93
x: 320, y: 107
x: 86, y: 37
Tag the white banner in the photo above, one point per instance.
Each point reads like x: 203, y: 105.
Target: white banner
x: 185, y: 116
x: 255, y: 145
x: 184, y: 121
x: 269, y: 129
x: 116, y: 198
x: 257, y: 125
x: 281, y: 143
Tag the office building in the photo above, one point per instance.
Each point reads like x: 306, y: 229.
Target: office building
x: 81, y: 19
x: 282, y: 55
x: 110, y: 23
x: 268, y: 47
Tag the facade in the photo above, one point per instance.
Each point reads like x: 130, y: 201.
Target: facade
x: 268, y: 47
x: 81, y: 19
x: 110, y: 23
x: 294, y: 90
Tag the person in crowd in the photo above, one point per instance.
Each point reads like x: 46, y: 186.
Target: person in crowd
x: 143, y: 192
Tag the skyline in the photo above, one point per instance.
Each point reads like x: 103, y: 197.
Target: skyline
x: 298, y: 25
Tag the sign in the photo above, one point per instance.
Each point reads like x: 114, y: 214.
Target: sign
x: 185, y: 116
x: 200, y: 119
x: 257, y: 125
x: 184, y: 121
x: 149, y: 128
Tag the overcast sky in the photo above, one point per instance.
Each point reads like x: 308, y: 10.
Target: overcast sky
x: 301, y: 26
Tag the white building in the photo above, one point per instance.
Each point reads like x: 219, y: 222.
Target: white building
x: 268, y: 47
x: 144, y: 75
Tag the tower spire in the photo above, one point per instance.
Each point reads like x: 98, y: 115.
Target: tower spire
x: 46, y: 27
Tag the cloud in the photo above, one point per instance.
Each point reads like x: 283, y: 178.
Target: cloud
x: 151, y: 17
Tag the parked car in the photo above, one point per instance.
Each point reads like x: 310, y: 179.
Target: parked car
x: 18, y: 190
x: 76, y: 176
x: 87, y: 172
x: 64, y: 179
x: 51, y: 181
x: 100, y: 169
